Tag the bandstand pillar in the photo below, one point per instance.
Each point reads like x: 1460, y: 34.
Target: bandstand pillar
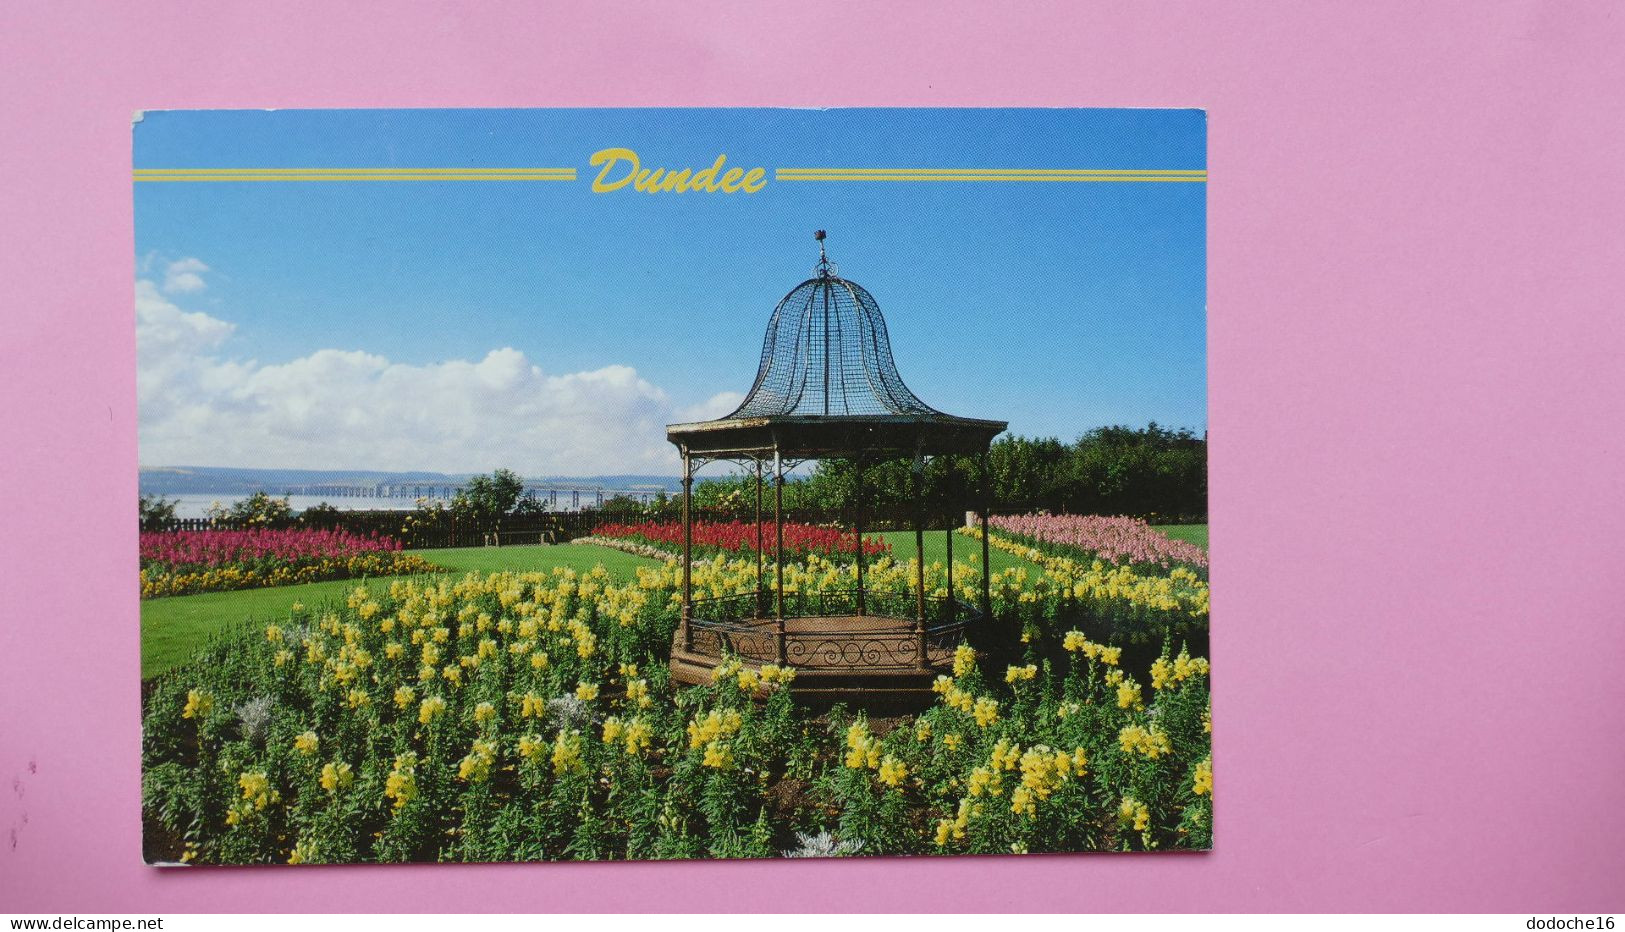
x: 919, y: 565
x: 981, y: 513
x: 857, y: 528
x: 761, y: 587
x: 948, y: 540
x: 778, y: 553
x: 688, y: 552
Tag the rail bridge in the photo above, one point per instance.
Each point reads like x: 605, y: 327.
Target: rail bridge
x: 554, y: 496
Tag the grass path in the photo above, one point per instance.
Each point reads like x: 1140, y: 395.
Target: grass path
x: 936, y: 550
x: 173, y: 627
x: 1195, y: 533
x: 540, y: 557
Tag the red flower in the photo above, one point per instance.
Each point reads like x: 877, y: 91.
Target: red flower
x: 740, y: 537
x: 208, y: 549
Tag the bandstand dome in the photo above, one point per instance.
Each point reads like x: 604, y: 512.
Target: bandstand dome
x: 827, y: 386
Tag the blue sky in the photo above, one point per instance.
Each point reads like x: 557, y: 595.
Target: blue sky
x: 1056, y: 306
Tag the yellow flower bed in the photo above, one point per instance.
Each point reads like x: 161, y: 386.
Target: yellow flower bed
x: 529, y: 715
x: 157, y: 582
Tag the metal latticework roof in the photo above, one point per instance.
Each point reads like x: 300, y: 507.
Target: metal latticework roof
x: 828, y: 386
x: 827, y: 353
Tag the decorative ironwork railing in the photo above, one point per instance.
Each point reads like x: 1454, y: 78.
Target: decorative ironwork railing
x: 746, y: 625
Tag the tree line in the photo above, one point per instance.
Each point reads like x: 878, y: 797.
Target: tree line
x: 1153, y: 472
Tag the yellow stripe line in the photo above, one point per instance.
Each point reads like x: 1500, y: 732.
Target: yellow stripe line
x: 910, y: 174
x: 355, y: 178
x: 991, y: 171
x: 298, y: 178
x: 258, y: 170
x: 569, y: 174
x: 975, y: 178
x: 363, y: 175
x: 991, y: 174
x: 355, y: 174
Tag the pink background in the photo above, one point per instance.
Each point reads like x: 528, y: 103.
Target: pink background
x: 1417, y: 400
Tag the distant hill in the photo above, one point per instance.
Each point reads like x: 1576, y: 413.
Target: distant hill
x: 182, y: 480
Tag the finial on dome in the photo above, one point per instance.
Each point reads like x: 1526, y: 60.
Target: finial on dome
x: 824, y: 270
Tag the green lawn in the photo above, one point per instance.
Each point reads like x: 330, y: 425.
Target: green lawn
x: 537, y: 557
x: 936, y: 549
x: 173, y: 627
x: 1195, y: 533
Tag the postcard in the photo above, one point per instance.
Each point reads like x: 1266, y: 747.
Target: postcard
x: 573, y: 484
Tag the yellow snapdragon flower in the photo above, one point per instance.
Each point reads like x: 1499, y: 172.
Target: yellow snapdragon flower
x: 1152, y: 743
x: 567, y: 753
x: 774, y: 675
x: 637, y: 736
x: 637, y: 691
x: 256, y: 787
x: 1133, y: 812
x: 718, y: 755
x: 712, y: 726
x: 532, y: 706
x: 401, y: 785
x: 531, y: 747
x: 985, y: 781
x: 986, y: 712
x: 476, y: 766
x: 1202, y: 783
x: 863, y: 749
x: 892, y: 771
x: 429, y: 708
x: 336, y: 776
x: 1128, y: 694
x: 198, y: 704
x: 954, y: 829
x: 964, y: 660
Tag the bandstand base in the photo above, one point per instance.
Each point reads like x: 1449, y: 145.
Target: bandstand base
x: 866, y: 660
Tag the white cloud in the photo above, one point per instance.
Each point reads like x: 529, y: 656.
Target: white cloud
x: 714, y: 407
x: 184, y: 276
x: 353, y: 409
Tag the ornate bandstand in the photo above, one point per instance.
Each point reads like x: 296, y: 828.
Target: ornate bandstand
x: 829, y: 388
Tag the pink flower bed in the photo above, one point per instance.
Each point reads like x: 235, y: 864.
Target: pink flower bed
x: 1115, y: 540
x: 740, y: 537
x: 208, y: 549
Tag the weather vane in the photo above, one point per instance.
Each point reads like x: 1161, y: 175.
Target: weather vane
x: 823, y: 260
